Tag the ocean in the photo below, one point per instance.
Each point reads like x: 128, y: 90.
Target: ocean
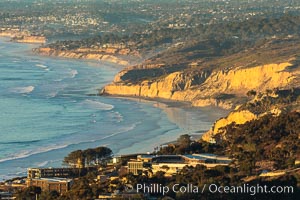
x: 48, y: 108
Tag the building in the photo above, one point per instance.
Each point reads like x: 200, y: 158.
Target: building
x: 137, y: 167
x: 145, y: 157
x: 168, y: 159
x: 35, y: 173
x: 60, y: 185
x: 171, y: 164
x: 168, y: 168
x: 6, y: 195
x: 121, y: 158
x: 125, y: 195
x: 212, y: 158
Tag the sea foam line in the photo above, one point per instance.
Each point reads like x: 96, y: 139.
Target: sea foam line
x: 42, y: 66
x: 73, y: 73
x: 98, y: 105
x: 26, y: 154
x: 23, y: 90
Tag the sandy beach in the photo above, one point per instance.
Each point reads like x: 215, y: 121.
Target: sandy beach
x: 49, y: 112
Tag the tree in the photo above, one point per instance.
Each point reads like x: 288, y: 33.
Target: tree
x: 75, y: 159
x: 90, y: 156
x: 102, y: 153
x: 52, y: 195
x: 29, y: 193
x: 184, y: 141
x: 81, y: 158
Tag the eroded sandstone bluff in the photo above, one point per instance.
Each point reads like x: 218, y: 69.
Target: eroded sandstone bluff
x: 113, y: 55
x: 203, y: 88
x: 30, y: 39
x: 227, y: 88
x: 23, y: 36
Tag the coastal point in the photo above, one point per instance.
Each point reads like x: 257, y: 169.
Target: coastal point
x: 149, y: 99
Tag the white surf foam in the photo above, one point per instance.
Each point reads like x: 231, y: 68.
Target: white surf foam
x: 23, y: 90
x: 42, y: 164
x: 42, y: 66
x: 123, y: 130
x: 73, y: 73
x: 117, y: 116
x: 28, y: 153
x: 97, y: 105
x: 25, y: 154
x: 52, y: 94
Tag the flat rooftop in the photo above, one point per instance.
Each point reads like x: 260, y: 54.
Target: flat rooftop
x: 55, y: 180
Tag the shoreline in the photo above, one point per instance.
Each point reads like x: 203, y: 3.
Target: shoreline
x: 162, y: 104
x: 183, y: 114
x: 169, y: 102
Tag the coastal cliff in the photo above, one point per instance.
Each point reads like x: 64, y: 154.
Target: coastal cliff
x: 204, y: 88
x: 272, y: 102
x: 237, y: 117
x: 251, y: 88
x: 22, y: 36
x: 30, y: 39
x: 121, y: 56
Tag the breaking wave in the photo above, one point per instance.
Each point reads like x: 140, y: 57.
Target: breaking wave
x: 98, y: 105
x: 25, y: 154
x: 52, y: 94
x: 42, y: 66
x: 28, y: 153
x: 73, y: 73
x: 23, y: 90
x: 116, y: 116
x: 43, y: 164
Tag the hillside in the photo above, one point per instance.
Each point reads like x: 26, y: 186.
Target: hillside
x: 212, y: 64
x: 252, y: 71
x: 274, y: 102
x: 217, y: 65
x: 222, y: 81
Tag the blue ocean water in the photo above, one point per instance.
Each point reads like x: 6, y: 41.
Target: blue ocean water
x: 46, y: 111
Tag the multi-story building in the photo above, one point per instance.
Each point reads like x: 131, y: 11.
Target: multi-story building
x: 52, y: 172
x: 137, y: 167
x: 171, y: 164
x: 60, y: 185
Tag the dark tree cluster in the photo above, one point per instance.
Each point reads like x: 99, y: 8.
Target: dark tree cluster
x: 88, y: 157
x: 216, y: 39
x: 184, y: 145
x: 265, y: 102
x: 266, y: 139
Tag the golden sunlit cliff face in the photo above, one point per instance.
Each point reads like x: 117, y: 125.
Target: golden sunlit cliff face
x: 113, y: 55
x: 238, y: 117
x: 211, y: 88
x: 226, y: 81
x: 25, y: 36
x: 201, y: 88
x: 241, y: 80
x: 30, y: 39
x: 272, y: 102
